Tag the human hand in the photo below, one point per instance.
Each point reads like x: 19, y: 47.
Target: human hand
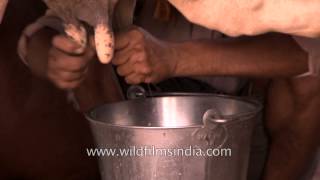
x: 65, y: 68
x: 141, y: 58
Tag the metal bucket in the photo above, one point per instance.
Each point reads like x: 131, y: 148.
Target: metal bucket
x: 174, y: 138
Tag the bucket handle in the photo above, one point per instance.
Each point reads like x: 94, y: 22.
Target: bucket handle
x: 214, y: 130
x: 136, y: 92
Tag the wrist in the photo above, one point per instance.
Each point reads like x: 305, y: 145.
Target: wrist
x: 188, y: 59
x: 174, y: 59
x: 180, y: 59
x: 198, y: 58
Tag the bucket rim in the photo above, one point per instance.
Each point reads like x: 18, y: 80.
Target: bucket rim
x: 235, y: 118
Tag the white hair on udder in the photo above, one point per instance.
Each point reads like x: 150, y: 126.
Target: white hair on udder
x: 96, y: 14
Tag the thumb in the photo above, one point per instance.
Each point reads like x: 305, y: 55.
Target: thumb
x: 65, y: 44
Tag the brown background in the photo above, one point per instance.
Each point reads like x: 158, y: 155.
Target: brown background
x: 41, y: 136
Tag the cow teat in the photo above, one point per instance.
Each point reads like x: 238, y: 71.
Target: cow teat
x: 96, y: 13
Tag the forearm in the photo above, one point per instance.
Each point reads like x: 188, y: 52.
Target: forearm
x: 38, y: 49
x: 269, y: 55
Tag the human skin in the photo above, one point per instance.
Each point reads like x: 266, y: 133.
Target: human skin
x: 293, y: 124
x: 51, y: 56
x: 140, y: 57
x: 49, y: 53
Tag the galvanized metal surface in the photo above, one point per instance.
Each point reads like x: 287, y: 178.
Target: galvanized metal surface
x: 175, y: 123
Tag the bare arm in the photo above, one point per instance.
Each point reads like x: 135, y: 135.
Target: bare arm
x: 271, y: 55
x: 143, y: 58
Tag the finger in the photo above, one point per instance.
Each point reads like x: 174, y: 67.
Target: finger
x: 142, y: 67
x: 135, y: 78
x: 65, y: 44
x: 69, y: 47
x: 153, y: 78
x: 68, y: 85
x: 137, y: 63
x: 123, y: 56
x: 66, y: 76
x: 137, y: 68
x: 125, y: 69
x: 149, y: 79
x: 59, y: 60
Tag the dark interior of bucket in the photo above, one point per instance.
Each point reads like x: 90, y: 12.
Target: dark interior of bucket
x: 169, y: 112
